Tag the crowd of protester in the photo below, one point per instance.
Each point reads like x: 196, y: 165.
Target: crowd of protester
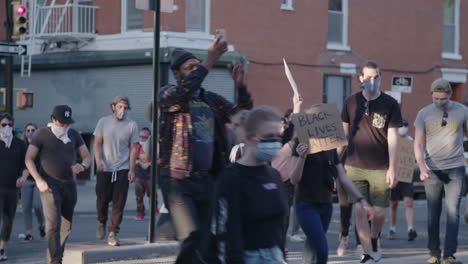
x: 231, y: 174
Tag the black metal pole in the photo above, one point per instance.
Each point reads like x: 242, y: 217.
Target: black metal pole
x: 9, y: 59
x: 155, y: 122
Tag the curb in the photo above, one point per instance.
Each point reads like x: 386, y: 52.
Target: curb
x: 90, y: 253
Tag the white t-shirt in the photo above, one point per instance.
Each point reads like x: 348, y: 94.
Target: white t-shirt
x: 117, y: 137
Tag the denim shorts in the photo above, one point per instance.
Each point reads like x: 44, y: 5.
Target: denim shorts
x: 264, y: 256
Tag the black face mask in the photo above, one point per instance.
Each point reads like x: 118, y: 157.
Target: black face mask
x: 287, y: 133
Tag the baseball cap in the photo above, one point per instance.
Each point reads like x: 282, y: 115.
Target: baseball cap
x: 145, y: 133
x: 441, y: 85
x: 63, y: 114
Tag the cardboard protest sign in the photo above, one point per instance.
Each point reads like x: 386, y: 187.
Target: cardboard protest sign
x: 290, y: 77
x: 405, y: 160
x: 321, y: 127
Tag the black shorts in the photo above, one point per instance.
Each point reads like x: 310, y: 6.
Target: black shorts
x: 403, y: 189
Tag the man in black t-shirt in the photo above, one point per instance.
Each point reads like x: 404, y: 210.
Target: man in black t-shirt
x: 57, y: 146
x: 371, y: 120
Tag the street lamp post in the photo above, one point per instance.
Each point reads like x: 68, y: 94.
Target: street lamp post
x: 155, y: 121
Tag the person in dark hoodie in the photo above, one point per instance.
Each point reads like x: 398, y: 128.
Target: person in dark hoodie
x: 193, y: 147
x: 12, y: 153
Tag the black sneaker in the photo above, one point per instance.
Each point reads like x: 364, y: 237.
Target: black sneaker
x: 367, y: 259
x: 42, y: 231
x: 28, y: 237
x: 412, y: 235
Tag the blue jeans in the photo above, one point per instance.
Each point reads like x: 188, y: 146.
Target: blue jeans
x: 314, y: 220
x: 272, y: 255
x: 452, y: 182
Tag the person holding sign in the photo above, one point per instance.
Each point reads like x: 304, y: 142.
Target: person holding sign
x: 438, y: 148
x: 403, y: 190
x: 315, y: 183
x: 371, y: 120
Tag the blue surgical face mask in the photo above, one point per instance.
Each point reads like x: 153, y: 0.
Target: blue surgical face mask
x: 371, y: 87
x: 267, y: 150
x: 29, y: 134
x: 441, y: 104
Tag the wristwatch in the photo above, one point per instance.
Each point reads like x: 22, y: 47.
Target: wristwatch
x: 84, y: 167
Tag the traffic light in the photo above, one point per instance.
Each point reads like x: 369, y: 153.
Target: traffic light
x: 24, y: 100
x: 20, y: 19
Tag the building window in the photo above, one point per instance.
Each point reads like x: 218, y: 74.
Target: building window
x: 197, y: 15
x: 451, y: 32
x: 132, y: 18
x: 338, y: 25
x: 336, y: 89
x: 287, y: 5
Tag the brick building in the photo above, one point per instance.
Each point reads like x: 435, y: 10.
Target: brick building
x: 108, y: 52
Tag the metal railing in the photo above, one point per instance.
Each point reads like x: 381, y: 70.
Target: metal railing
x: 67, y: 19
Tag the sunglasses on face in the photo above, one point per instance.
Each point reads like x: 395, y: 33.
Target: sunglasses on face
x: 444, y: 122
x: 7, y: 124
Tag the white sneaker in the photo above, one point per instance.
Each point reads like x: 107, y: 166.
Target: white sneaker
x: 377, y: 255
x: 344, y: 244
x: 3, y: 256
x: 296, y: 238
x: 359, y: 251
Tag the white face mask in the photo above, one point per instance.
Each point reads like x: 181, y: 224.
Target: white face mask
x: 6, y: 135
x: 60, y: 132
x: 120, y: 114
x: 6, y: 131
x: 403, y: 131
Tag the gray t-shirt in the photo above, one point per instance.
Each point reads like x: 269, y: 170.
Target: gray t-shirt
x: 117, y: 137
x: 444, y: 144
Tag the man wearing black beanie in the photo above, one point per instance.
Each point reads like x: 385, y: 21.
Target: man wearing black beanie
x: 193, y: 148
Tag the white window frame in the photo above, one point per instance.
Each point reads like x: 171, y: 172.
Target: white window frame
x: 207, y: 21
x: 287, y: 6
x: 456, y: 75
x: 455, y: 55
x: 123, y: 17
x: 342, y: 46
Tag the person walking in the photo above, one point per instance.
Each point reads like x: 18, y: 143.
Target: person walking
x: 251, y: 202
x: 404, y: 191
x: 57, y: 147
x: 115, y: 152
x: 30, y: 194
x: 438, y: 147
x: 142, y: 172
x: 12, y: 176
x: 316, y: 182
x: 371, y: 120
x: 193, y: 147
